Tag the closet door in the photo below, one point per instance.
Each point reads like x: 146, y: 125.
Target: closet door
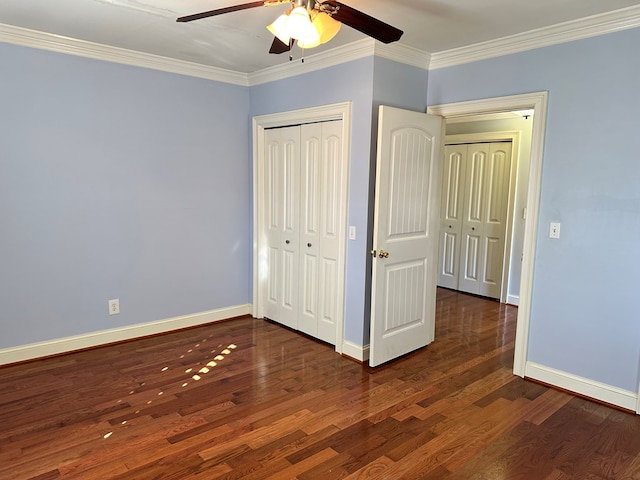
x: 321, y: 228
x: 305, y: 223
x: 281, y: 203
x: 453, y: 170
x: 486, y: 190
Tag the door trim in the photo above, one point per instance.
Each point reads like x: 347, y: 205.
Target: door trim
x: 537, y: 101
x: 337, y: 111
x: 514, y: 138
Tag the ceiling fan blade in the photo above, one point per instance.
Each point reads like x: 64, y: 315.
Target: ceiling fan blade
x: 220, y: 11
x: 278, y: 46
x: 364, y: 23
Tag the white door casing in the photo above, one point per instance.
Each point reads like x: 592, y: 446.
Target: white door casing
x: 405, y: 233
x: 538, y: 102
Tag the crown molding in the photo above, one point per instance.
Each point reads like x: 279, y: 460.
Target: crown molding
x: 366, y: 47
x: 329, y: 58
x: 592, y: 26
x: 57, y: 43
x: 398, y: 52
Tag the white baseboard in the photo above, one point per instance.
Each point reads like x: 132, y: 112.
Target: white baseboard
x: 513, y: 300
x: 583, y: 386
x: 94, y: 339
x: 357, y: 352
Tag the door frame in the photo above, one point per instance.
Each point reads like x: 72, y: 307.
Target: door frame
x: 336, y: 111
x: 490, y: 137
x: 538, y: 102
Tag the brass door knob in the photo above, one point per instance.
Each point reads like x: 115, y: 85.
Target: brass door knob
x: 383, y: 254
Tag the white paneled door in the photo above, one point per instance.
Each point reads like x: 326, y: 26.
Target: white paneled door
x: 453, y: 169
x: 281, y: 201
x: 304, y: 204
x: 474, y: 217
x: 405, y: 233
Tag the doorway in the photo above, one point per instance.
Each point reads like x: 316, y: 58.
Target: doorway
x: 537, y: 102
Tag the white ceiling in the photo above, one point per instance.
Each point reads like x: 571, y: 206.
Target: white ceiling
x: 240, y: 42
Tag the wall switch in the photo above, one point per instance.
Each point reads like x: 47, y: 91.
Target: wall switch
x: 554, y: 230
x: 352, y: 233
x: 114, y: 306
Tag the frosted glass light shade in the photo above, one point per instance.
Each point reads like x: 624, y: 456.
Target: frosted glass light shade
x: 326, y: 26
x: 280, y: 30
x: 311, y: 38
x: 299, y: 24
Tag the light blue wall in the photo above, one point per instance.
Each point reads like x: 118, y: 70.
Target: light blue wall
x: 117, y: 182
x: 584, y: 317
x: 399, y: 85
x: 350, y: 81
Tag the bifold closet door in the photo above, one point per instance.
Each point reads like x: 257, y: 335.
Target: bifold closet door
x: 321, y: 227
x: 282, y: 230
x: 453, y: 170
x: 486, y: 194
x: 473, y: 217
x: 304, y: 226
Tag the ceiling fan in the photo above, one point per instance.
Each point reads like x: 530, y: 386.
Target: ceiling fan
x: 310, y: 22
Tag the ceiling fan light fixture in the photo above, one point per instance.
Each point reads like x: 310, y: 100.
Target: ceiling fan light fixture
x: 299, y: 24
x: 279, y: 28
x: 310, y: 41
x: 326, y: 26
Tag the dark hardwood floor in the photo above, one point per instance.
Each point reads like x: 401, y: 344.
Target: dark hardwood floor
x: 250, y: 399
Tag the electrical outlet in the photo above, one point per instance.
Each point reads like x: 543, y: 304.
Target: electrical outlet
x: 114, y: 306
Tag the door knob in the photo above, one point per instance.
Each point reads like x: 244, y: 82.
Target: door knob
x: 383, y: 254
x: 287, y: 242
x: 309, y: 245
